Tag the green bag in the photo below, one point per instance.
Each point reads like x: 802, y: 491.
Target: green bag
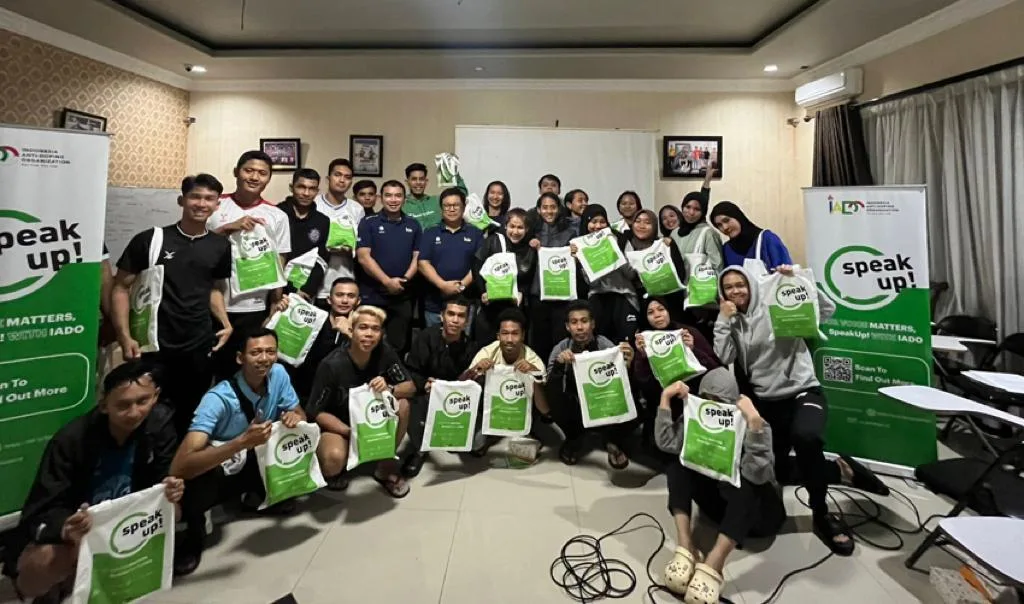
x: 557, y: 273
x: 288, y: 462
x: 602, y: 385
x: 713, y: 439
x: 792, y: 303
x: 671, y: 359
x: 255, y: 262
x: 598, y: 253
x: 297, y: 328
x: 374, y: 421
x: 451, y: 416
x: 656, y: 269
x: 500, y: 272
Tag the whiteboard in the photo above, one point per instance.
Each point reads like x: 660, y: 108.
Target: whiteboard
x: 604, y: 163
x: 132, y: 210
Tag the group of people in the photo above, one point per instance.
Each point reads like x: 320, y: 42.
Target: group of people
x: 191, y: 413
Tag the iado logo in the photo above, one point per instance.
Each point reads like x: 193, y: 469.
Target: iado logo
x: 662, y: 342
x: 715, y: 417
x: 292, y: 447
x: 602, y: 372
x: 653, y: 262
x: 377, y: 412
x: 253, y: 244
x: 864, y: 278
x: 33, y: 252
x: 791, y: 294
x: 9, y: 155
x: 134, y: 531
x: 301, y: 314
x: 456, y: 403
x: 557, y: 264
x: 512, y: 391
x: 846, y: 208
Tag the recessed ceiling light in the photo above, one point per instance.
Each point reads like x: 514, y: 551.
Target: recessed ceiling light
x: 478, y: 68
x: 771, y: 68
x: 195, y: 68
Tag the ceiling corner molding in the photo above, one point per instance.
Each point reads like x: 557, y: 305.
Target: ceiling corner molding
x: 40, y: 32
x: 936, y: 23
x: 698, y: 86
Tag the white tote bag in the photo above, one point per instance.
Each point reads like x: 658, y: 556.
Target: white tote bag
x: 500, y: 273
x: 713, y: 436
x: 598, y: 253
x: 297, y: 328
x: 508, y: 402
x: 255, y: 263
x: 603, y: 388
x: 298, y: 269
x: 145, y: 297
x: 288, y: 462
x: 374, y: 422
x: 557, y: 274
x: 451, y: 416
x: 656, y: 270
x: 755, y: 266
x: 129, y: 552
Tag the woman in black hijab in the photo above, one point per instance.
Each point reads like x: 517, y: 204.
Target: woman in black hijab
x: 747, y: 241
x: 515, y: 239
x: 613, y: 297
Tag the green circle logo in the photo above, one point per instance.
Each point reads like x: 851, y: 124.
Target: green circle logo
x: 602, y: 372
x: 663, y: 341
x: 854, y: 276
x: 715, y: 417
x: 456, y: 403
x: 131, y: 533
x: 291, y: 448
x: 512, y: 391
x: 376, y: 412
x: 791, y: 294
x: 557, y: 264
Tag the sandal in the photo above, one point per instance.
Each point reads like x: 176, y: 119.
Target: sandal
x: 705, y: 586
x: 393, y: 485
x: 338, y: 482
x: 614, y: 452
x: 569, y: 452
x: 827, y: 528
x: 863, y: 478
x: 679, y: 571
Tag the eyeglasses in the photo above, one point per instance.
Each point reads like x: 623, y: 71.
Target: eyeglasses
x: 449, y: 206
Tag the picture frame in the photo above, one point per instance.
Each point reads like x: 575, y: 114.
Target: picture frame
x: 285, y: 153
x: 680, y: 159
x: 73, y: 119
x: 366, y: 152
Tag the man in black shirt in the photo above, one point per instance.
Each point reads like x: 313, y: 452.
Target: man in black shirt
x: 366, y: 194
x: 361, y: 360
x: 441, y: 352
x: 196, y: 265
x: 308, y: 228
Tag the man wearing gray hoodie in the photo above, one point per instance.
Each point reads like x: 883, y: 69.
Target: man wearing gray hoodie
x: 780, y: 373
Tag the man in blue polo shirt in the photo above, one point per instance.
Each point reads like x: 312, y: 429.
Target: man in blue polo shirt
x: 235, y: 416
x: 388, y: 249
x: 446, y: 255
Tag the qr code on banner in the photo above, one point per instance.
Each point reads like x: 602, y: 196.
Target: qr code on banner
x: 838, y: 369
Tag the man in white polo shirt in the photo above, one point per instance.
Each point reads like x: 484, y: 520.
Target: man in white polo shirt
x: 246, y: 210
x: 345, y: 215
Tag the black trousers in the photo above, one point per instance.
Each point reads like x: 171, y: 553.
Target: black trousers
x: 565, y: 408
x: 614, y: 317
x: 225, y: 363
x: 798, y: 424
x: 184, y: 377
x: 398, y: 327
x: 213, y: 488
x: 547, y: 325
x: 752, y: 510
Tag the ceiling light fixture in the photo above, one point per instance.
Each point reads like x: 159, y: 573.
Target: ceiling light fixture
x: 194, y: 68
x: 478, y: 68
x: 771, y: 68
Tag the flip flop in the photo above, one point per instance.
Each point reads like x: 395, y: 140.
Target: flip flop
x: 705, y: 586
x: 568, y: 453
x: 392, y: 486
x: 622, y: 465
x: 864, y: 479
x: 338, y: 482
x: 679, y: 571
x: 827, y: 528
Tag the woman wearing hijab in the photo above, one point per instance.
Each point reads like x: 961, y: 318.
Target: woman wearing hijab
x: 514, y: 239
x: 628, y: 204
x: 688, y: 220
x: 498, y: 201
x: 786, y: 392
x: 613, y: 297
x: 747, y: 241
x: 642, y: 236
x: 547, y: 318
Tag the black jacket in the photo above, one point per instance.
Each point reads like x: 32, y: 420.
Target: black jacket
x: 526, y: 260
x: 64, y: 479
x: 432, y: 357
x: 307, y: 233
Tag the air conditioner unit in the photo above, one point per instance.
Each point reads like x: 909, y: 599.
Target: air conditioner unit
x: 831, y: 89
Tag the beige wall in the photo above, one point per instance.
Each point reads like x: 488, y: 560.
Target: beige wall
x: 987, y: 40
x: 762, y: 162
x: 145, y: 117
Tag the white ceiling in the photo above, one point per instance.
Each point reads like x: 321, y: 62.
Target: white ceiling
x: 522, y: 39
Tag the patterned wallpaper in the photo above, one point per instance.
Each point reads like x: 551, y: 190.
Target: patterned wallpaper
x: 145, y: 117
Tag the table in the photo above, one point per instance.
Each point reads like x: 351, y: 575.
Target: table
x: 1011, y: 383
x: 994, y: 541
x: 956, y: 343
x: 940, y: 401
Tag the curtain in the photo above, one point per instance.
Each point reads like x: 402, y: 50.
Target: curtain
x: 840, y: 157
x: 965, y: 142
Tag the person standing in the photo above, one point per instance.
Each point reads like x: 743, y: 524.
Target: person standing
x: 498, y: 201
x: 515, y: 240
x: 366, y: 194
x: 345, y: 215
x: 576, y: 201
x: 747, y: 241
x: 549, y: 183
x: 197, y: 263
x: 613, y: 298
x: 388, y: 252
x: 425, y: 209
x: 695, y: 236
x: 446, y: 254
x: 243, y: 210
x: 628, y: 204
x: 547, y: 317
x: 308, y: 228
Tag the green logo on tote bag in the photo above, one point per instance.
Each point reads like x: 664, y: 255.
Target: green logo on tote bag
x: 456, y: 403
x: 292, y: 447
x: 714, y: 417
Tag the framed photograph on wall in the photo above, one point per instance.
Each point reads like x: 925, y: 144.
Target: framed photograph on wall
x: 366, y: 152
x: 72, y: 119
x: 690, y: 156
x: 286, y: 153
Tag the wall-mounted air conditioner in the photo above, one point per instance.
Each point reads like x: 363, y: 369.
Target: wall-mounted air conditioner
x: 832, y: 89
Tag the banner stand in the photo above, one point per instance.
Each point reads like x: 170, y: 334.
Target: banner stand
x: 868, y: 249
x: 51, y: 243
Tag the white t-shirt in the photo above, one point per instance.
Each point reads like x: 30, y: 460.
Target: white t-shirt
x: 339, y: 265
x: 277, y: 228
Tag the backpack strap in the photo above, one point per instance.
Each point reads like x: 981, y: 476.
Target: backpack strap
x: 248, y: 408
x: 757, y: 246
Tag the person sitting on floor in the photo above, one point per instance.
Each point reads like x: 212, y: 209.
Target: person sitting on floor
x: 754, y: 509
x: 216, y: 458
x: 780, y: 372
x: 441, y: 352
x: 122, y: 446
x: 561, y: 392
x: 362, y: 360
